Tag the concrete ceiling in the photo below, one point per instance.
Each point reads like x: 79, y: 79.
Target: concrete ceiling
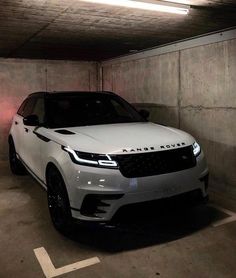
x: 71, y: 29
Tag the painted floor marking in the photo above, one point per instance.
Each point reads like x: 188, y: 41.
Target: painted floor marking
x: 50, y: 271
x: 231, y: 218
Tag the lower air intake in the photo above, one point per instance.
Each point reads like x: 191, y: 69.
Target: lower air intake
x: 95, y: 205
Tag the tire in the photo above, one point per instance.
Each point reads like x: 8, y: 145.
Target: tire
x: 16, y: 166
x: 58, y: 202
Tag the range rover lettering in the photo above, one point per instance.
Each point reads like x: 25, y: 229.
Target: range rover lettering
x: 89, y: 149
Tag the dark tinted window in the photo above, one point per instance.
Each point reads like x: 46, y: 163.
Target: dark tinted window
x: 39, y: 109
x: 27, y: 107
x: 89, y: 109
x: 20, y: 110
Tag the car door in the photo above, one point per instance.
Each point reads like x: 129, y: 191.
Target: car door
x: 32, y: 144
x: 19, y: 130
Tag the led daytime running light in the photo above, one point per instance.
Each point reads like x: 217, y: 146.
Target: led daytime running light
x: 106, y: 163
x: 196, y: 149
x: 77, y: 158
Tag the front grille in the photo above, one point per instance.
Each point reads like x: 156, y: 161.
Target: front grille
x: 155, y: 163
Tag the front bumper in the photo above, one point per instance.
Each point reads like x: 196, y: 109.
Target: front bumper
x: 96, y: 194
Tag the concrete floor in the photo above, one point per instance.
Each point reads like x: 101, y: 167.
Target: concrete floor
x: 173, y: 243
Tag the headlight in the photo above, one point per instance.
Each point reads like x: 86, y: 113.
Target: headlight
x: 90, y: 159
x: 196, y: 149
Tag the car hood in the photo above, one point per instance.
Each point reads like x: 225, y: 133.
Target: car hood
x: 121, y: 138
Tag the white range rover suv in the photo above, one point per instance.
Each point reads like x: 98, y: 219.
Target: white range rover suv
x: 94, y: 153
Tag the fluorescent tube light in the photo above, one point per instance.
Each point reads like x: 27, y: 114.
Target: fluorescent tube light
x: 159, y: 6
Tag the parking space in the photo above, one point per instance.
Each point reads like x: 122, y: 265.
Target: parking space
x: 125, y: 112
x: 167, y: 241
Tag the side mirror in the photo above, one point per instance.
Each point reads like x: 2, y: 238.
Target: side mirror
x: 31, y: 120
x: 144, y: 113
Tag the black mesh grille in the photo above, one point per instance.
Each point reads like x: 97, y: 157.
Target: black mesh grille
x: 96, y: 204
x: 155, y: 163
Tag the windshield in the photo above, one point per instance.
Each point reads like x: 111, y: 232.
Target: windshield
x: 84, y: 109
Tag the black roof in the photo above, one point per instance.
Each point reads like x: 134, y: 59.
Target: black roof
x: 69, y: 93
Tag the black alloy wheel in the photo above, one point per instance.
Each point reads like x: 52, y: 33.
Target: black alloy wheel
x: 16, y: 166
x: 58, y: 202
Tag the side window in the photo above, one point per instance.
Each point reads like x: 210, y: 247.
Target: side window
x: 39, y: 109
x: 21, y: 109
x: 27, y: 107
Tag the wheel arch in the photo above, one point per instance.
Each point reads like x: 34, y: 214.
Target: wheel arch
x: 49, y: 166
x: 54, y: 165
x: 10, y: 139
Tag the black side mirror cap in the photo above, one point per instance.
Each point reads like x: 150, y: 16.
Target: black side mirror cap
x: 31, y: 120
x: 144, y: 113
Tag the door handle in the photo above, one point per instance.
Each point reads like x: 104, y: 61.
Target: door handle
x: 26, y: 129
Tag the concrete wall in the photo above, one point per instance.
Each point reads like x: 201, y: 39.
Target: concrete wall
x: 193, y: 89
x: 19, y: 77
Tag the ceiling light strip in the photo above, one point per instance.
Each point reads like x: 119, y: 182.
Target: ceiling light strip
x: 159, y: 6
